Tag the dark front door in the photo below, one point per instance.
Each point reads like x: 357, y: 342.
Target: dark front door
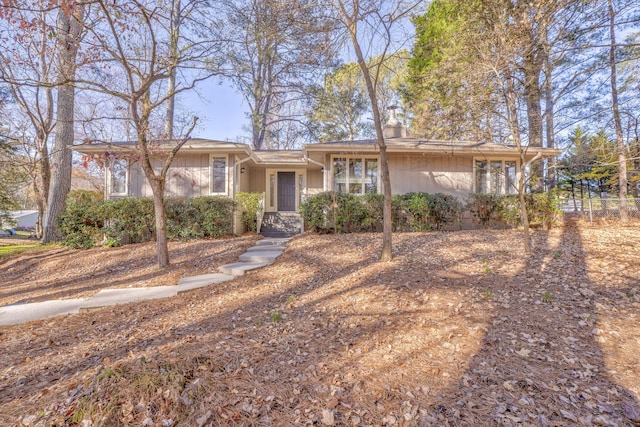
x: 286, y: 191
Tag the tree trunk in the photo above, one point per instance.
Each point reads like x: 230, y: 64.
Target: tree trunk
x: 60, y: 165
x: 532, y: 94
x: 386, y: 254
x: 523, y: 210
x: 174, y: 34
x: 514, y: 127
x: 69, y: 27
x: 162, y: 247
x: 549, y: 120
x: 387, y: 226
x: 622, y: 155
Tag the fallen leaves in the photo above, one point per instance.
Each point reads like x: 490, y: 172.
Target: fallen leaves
x: 452, y: 331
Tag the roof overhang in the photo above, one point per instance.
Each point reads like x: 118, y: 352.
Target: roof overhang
x: 195, y: 145
x: 431, y: 147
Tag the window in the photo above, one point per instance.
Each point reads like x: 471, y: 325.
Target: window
x: 495, y: 176
x: 218, y: 175
x: 119, y: 176
x: 355, y: 175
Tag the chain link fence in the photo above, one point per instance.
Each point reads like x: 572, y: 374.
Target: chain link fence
x: 595, y: 209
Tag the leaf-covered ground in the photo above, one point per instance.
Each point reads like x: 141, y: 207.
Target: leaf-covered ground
x: 459, y: 329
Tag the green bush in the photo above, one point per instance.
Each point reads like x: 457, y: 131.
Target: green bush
x: 199, y: 218
x: 373, y: 207
x: 351, y: 213
x: 249, y: 204
x: 215, y: 215
x: 543, y: 209
x: 444, y: 209
x: 129, y: 220
x: 486, y: 208
x: 82, y: 222
x: 318, y: 211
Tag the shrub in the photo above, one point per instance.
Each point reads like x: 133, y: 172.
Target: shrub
x: 543, y: 209
x: 199, y: 218
x: 373, y: 208
x: 318, y: 211
x: 344, y: 212
x: 444, y: 209
x: 249, y: 204
x: 486, y: 208
x: 350, y: 213
x: 418, y: 211
x: 215, y: 214
x: 82, y: 221
x: 129, y: 220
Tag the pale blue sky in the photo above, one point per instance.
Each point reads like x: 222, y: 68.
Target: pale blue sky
x: 221, y: 110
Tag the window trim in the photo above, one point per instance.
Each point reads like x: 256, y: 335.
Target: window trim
x: 112, y: 192
x: 503, y: 171
x: 348, y: 158
x: 226, y: 174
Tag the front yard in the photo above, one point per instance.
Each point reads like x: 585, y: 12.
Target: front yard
x: 457, y: 330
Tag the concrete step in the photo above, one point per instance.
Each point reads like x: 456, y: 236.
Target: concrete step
x: 194, y: 282
x: 260, y: 256
x: 239, y: 268
x: 263, y: 248
x: 21, y: 313
x: 279, y: 234
x: 281, y: 224
x: 109, y: 297
x: 270, y: 241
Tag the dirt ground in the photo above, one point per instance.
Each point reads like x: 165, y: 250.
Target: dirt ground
x: 459, y: 329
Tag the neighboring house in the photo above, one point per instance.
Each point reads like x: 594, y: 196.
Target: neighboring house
x: 206, y: 167
x: 26, y: 218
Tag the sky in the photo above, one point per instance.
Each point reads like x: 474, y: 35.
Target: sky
x: 220, y: 109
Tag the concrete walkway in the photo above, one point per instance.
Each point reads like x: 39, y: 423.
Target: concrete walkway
x: 263, y: 253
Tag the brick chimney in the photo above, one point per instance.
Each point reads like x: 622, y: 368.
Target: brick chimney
x: 393, y: 128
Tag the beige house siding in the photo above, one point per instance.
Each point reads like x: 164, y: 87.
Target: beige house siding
x: 257, y: 180
x: 315, y: 182
x: 188, y: 177
x: 430, y: 174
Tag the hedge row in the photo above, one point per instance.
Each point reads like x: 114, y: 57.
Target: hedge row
x: 88, y: 220
x: 350, y: 213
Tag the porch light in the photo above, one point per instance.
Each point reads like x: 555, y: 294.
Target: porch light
x: 242, y: 169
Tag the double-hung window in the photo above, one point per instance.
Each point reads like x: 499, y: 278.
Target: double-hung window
x: 357, y: 175
x: 119, y: 177
x: 495, y: 176
x: 218, y: 172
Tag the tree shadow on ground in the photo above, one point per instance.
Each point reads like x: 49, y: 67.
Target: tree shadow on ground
x: 541, y: 360
x: 387, y: 341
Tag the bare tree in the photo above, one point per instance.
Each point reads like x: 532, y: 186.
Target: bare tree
x: 374, y: 20
x: 274, y: 48
x: 620, y: 145
x: 27, y: 68
x: 138, y: 52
